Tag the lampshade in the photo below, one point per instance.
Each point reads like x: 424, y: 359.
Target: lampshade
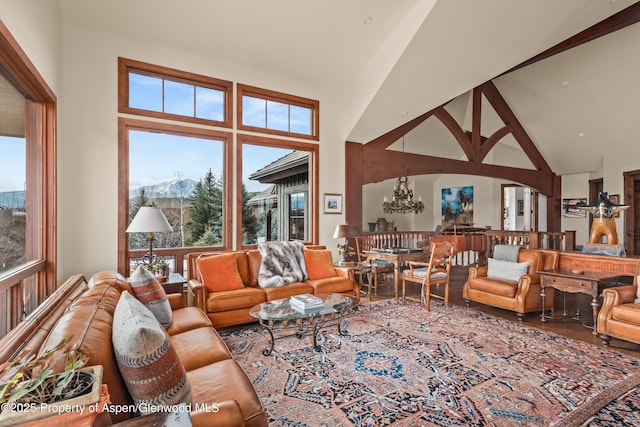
x: 346, y: 231
x: 149, y: 219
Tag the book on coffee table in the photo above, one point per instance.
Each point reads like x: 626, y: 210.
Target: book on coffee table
x: 306, y: 303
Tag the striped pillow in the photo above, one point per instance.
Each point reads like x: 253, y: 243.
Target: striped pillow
x: 150, y: 293
x: 148, y: 363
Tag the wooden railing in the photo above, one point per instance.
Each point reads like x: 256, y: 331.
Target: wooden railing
x: 473, y: 248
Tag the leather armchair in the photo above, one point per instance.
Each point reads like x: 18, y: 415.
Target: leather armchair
x: 619, y: 317
x: 522, y: 296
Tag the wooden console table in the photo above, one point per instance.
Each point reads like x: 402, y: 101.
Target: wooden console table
x: 578, y: 281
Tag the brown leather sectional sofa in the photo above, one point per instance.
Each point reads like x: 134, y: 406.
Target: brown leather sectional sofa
x: 232, y: 307
x: 84, y: 311
x: 619, y: 316
x: 522, y: 296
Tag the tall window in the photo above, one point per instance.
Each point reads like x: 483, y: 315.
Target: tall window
x: 27, y: 183
x: 186, y: 170
x: 183, y: 171
x: 279, y: 190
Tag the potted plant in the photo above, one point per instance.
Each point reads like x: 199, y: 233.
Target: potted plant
x: 32, y: 392
x: 160, y: 269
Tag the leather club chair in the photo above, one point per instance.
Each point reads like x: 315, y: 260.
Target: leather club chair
x: 521, y: 296
x: 619, y: 317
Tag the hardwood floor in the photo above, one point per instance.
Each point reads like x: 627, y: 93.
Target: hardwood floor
x: 562, y: 326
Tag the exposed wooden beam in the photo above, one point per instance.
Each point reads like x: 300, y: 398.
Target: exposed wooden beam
x: 391, y: 164
x: 622, y: 19
x: 490, y: 91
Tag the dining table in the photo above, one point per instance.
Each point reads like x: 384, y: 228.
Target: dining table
x: 399, y: 257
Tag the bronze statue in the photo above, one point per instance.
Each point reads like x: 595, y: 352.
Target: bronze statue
x: 604, y: 223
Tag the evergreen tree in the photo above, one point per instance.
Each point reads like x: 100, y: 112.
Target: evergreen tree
x: 206, y: 211
x: 249, y: 219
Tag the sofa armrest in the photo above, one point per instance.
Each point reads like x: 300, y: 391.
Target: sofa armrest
x: 199, y: 294
x: 612, y: 297
x: 345, y: 272
x: 477, y: 272
x: 227, y: 413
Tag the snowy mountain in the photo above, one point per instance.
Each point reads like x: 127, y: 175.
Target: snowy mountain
x: 166, y: 189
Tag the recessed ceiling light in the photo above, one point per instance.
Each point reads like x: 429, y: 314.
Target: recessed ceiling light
x: 564, y: 84
x: 581, y: 134
x: 368, y: 20
x: 403, y: 114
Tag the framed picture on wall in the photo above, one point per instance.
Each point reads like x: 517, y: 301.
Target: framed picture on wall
x: 571, y: 208
x: 332, y: 203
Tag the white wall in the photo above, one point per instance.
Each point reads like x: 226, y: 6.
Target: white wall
x: 88, y: 205
x: 576, y: 186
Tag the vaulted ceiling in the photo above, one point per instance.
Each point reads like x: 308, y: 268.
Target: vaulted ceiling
x: 392, y: 61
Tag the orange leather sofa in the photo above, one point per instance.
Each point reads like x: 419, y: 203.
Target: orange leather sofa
x: 619, y: 317
x: 522, y: 296
x: 231, y: 307
x: 84, y: 311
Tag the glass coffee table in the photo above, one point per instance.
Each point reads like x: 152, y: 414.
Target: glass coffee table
x: 277, y: 316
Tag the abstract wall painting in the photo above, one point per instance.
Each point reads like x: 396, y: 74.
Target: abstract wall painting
x: 457, y: 206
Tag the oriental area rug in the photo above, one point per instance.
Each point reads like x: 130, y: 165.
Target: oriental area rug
x: 403, y: 366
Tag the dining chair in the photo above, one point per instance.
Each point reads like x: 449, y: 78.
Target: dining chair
x: 379, y: 268
x: 435, y: 272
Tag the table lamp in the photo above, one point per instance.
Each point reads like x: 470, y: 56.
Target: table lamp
x: 347, y: 232
x: 150, y: 220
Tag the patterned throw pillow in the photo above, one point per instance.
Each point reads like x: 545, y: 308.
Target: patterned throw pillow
x: 148, y: 363
x: 150, y: 293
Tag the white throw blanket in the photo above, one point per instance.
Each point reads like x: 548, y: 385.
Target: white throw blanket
x: 282, y: 263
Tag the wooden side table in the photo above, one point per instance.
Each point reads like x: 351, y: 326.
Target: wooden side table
x: 360, y: 269
x: 577, y: 281
x: 175, y: 285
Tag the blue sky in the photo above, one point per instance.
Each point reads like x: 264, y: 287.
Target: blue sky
x: 157, y: 157
x: 12, y: 163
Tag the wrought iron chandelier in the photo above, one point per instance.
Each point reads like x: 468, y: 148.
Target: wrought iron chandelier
x: 402, y: 200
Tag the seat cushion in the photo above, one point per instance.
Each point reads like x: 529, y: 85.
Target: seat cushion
x: 331, y: 285
x: 199, y: 347
x: 186, y: 319
x: 246, y: 297
x: 149, y: 292
x: 217, y: 381
x: 220, y: 272
x: 288, y: 291
x: 499, y: 287
x: 319, y: 264
x: 148, y: 362
x: 629, y: 313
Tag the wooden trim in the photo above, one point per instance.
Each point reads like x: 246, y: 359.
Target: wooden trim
x: 125, y: 66
x: 284, y: 98
x: 622, y: 19
x: 629, y: 214
x: 40, y: 134
x: 124, y: 126
x: 353, y: 176
x: 314, y: 180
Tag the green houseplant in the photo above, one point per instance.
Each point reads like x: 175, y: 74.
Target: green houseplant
x: 30, y: 385
x: 33, y: 380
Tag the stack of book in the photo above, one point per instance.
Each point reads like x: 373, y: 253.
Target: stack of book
x: 306, y: 303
